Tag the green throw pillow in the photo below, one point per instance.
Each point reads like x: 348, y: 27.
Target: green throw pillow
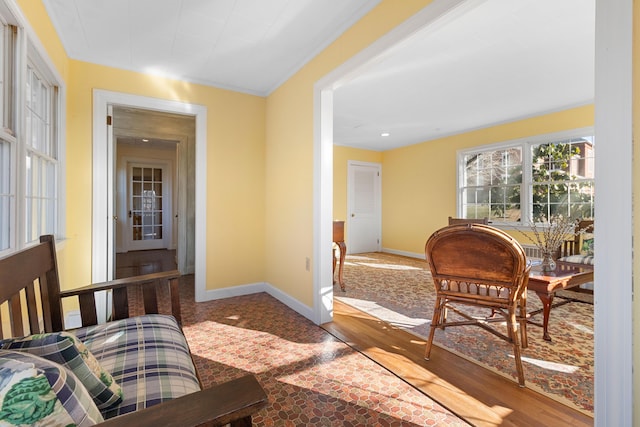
x: 64, y: 348
x: 37, y: 392
x: 587, y: 246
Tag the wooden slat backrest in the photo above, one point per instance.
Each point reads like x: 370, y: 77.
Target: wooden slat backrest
x: 573, y: 246
x: 37, y: 264
x: 19, y: 272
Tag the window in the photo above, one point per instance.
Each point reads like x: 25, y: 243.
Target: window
x: 529, y: 180
x: 30, y: 184
x: 41, y: 158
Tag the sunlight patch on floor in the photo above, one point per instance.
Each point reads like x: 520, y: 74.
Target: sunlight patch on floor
x: 552, y: 366
x: 390, y: 316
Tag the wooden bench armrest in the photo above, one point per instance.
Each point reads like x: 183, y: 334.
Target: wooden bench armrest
x: 232, y: 402
x: 118, y: 287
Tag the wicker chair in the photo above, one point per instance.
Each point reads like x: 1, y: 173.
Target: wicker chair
x: 479, y: 265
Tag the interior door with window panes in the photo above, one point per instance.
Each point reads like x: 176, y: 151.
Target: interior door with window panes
x: 147, y: 196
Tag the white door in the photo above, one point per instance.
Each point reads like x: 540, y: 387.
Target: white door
x: 364, y: 207
x: 149, y: 217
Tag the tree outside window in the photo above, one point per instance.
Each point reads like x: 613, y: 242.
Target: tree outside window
x: 559, y: 181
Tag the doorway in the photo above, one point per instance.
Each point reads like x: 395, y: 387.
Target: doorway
x: 364, y: 207
x: 190, y: 170
x: 148, y: 180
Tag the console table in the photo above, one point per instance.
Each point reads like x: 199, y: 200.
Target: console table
x: 338, y: 239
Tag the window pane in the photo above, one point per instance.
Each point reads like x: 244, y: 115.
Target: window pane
x: 492, y: 184
x: 6, y: 194
x: 562, y: 174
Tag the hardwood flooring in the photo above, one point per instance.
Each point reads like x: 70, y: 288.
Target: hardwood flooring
x: 134, y: 263
x: 478, y: 395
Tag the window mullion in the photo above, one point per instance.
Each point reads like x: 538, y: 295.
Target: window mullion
x: 526, y: 196
x: 20, y: 127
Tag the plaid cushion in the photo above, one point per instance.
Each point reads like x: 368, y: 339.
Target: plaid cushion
x: 147, y: 355
x: 578, y: 259
x: 64, y: 348
x: 36, y: 391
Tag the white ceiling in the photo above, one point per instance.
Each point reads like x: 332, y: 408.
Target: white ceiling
x: 488, y: 62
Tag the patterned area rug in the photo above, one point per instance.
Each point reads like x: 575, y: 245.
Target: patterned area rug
x: 399, y: 290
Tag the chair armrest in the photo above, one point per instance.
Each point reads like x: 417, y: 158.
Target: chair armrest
x: 86, y: 295
x: 232, y: 402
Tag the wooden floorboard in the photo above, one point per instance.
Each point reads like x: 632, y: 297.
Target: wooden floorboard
x: 481, y: 397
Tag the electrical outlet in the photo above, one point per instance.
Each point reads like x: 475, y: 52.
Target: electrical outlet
x: 307, y: 263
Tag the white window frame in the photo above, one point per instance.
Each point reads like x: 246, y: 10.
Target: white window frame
x: 27, y: 49
x: 525, y: 145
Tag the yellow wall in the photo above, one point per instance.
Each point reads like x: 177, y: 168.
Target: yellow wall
x: 235, y: 168
x: 419, y: 181
x: 289, y: 152
x: 40, y: 23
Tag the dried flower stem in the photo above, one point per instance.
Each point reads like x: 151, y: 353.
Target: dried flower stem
x: 549, y: 237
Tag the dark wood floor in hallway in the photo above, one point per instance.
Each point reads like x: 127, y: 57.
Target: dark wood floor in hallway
x: 134, y: 263
x: 477, y: 395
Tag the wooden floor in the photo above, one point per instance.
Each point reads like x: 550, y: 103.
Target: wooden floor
x: 478, y: 395
x: 134, y: 263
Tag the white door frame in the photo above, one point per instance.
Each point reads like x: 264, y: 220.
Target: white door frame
x: 104, y: 165
x: 614, y: 170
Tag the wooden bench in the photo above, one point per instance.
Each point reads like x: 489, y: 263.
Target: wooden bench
x: 29, y: 284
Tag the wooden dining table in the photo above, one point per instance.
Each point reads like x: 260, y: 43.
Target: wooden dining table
x: 546, y: 283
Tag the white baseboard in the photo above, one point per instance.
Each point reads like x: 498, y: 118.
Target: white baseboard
x: 72, y: 319
x: 234, y: 291
x: 290, y: 302
x: 404, y: 253
x: 255, y: 288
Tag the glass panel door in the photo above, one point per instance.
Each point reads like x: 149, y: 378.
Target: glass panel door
x: 146, y: 213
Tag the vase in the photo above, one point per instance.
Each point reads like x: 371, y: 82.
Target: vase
x: 548, y: 263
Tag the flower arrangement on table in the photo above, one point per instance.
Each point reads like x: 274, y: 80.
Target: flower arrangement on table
x: 549, y: 236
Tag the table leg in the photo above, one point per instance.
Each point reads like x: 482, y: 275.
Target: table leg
x: 547, y: 300
x: 343, y: 254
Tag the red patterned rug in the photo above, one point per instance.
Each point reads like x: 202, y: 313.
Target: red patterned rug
x: 399, y: 290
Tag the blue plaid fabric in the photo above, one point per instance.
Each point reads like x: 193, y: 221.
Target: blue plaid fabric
x: 147, y: 356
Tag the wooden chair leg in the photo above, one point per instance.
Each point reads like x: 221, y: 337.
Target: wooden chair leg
x: 436, y: 320
x: 512, y: 326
